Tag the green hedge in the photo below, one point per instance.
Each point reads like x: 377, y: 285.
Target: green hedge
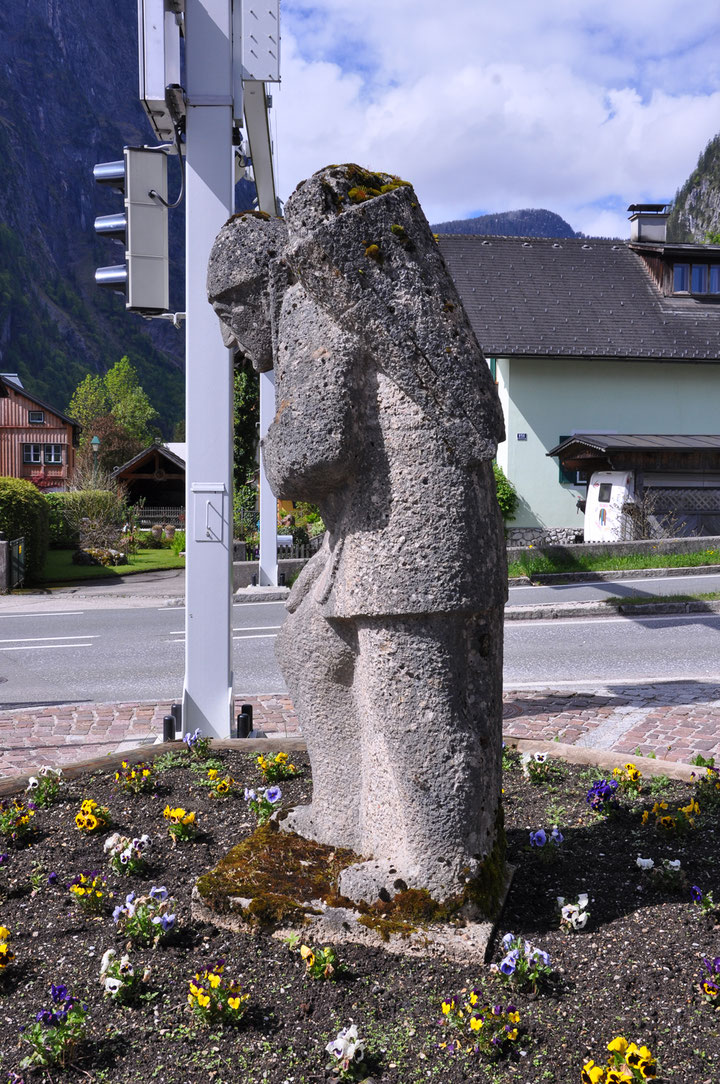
x: 24, y: 514
x: 506, y: 494
x: 62, y: 536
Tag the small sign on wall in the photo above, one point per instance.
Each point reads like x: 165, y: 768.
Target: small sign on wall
x: 522, y: 436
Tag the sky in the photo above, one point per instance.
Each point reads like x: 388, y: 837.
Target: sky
x: 575, y: 106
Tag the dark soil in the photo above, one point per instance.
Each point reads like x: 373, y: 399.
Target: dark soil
x: 634, y: 970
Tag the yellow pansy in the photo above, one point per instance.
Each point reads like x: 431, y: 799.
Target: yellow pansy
x: 212, y: 773
x: 214, y: 980
x: 203, y: 1000
x: 475, y: 1023
x: 619, y: 1044
x: 591, y: 1073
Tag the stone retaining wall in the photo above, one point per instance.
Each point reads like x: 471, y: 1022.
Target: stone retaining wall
x: 619, y: 549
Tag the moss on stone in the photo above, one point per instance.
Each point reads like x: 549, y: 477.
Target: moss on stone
x: 373, y: 253
x: 263, y: 215
x: 280, y: 872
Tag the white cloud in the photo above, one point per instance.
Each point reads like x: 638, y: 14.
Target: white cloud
x: 490, y: 107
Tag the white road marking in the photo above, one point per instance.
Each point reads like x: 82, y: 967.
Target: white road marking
x: 261, y: 636
x: 42, y: 613
x: 611, y: 583
x: 43, y: 647
x: 597, y: 618
x: 249, y: 628
x: 37, y: 639
x: 608, y: 682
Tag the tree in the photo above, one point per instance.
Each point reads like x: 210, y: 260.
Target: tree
x: 129, y: 403
x: 117, y: 393
x: 89, y: 402
x: 246, y: 415
x: 116, y: 445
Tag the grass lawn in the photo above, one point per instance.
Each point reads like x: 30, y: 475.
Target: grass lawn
x: 59, y: 568
x: 531, y: 563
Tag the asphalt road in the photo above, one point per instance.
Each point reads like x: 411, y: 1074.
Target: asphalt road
x: 596, y: 592
x: 129, y: 654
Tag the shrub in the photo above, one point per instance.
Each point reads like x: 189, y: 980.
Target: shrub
x: 96, y: 515
x: 178, y: 543
x: 506, y: 494
x: 24, y: 513
x: 62, y: 535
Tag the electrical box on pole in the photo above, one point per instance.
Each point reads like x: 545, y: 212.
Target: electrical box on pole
x: 142, y: 229
x: 159, y: 30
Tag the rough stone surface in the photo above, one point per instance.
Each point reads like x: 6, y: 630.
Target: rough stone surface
x: 388, y: 420
x: 465, y: 943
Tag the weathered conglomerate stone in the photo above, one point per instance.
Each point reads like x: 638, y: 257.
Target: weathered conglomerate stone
x: 387, y: 418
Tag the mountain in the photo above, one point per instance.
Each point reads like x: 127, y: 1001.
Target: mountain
x: 696, y: 207
x: 69, y: 99
x: 526, y: 223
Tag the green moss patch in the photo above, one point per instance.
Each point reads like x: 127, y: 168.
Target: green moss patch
x: 280, y: 873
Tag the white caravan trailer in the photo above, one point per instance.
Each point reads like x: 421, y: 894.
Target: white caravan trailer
x: 608, y: 492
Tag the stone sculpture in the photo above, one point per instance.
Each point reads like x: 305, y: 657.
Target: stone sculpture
x: 388, y: 420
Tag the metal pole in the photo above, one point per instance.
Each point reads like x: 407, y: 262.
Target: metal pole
x: 208, y: 689
x: 268, y: 504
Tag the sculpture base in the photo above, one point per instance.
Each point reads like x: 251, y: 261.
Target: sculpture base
x: 277, y: 882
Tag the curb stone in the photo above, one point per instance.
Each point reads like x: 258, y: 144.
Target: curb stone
x: 572, y: 754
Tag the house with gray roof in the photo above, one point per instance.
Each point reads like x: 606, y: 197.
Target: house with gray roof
x: 590, y: 336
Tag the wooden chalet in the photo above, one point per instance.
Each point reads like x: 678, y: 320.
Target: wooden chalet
x: 155, y: 475
x: 37, y: 441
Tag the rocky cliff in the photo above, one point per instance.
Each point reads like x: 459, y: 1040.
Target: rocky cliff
x: 69, y: 99
x: 696, y: 208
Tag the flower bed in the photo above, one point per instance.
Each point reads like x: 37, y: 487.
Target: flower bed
x: 602, y: 964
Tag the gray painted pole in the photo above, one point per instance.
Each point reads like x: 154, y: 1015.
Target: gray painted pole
x: 207, y: 694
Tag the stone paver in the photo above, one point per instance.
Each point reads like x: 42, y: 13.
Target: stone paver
x: 674, y: 720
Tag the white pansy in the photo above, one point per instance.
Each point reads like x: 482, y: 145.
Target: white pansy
x: 583, y: 900
x: 32, y: 783
x: 579, y: 920
x: 568, y: 911
x: 540, y: 758
x: 112, y: 986
x: 645, y: 863
x: 126, y: 968
x: 674, y: 864
x: 111, y: 842
x: 560, y: 901
x: 347, y: 1047
x: 105, y: 962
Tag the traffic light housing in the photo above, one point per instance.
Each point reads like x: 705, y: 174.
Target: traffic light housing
x: 142, y: 228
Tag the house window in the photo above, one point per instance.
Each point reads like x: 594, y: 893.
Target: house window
x: 32, y: 453
x: 53, y: 453
x: 36, y: 417
x: 681, y: 278
x: 697, y: 278
x: 604, y: 492
x: 567, y: 477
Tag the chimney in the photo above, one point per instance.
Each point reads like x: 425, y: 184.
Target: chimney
x: 648, y: 222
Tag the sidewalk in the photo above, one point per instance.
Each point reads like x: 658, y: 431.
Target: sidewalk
x: 673, y: 720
